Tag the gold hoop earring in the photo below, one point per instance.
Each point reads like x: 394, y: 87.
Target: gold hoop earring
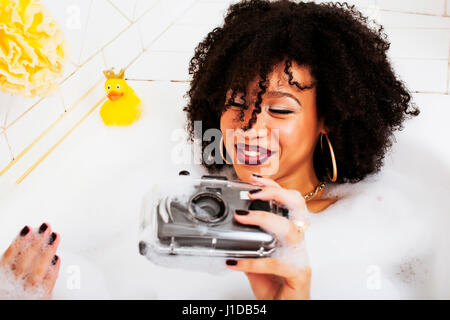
x: 221, y: 151
x: 333, y: 158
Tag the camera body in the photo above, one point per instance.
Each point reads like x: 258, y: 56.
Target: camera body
x: 201, y: 221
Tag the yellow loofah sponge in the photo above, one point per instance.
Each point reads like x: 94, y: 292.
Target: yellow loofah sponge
x: 32, y: 48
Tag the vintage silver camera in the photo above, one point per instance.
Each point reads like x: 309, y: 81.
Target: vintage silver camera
x: 200, y: 222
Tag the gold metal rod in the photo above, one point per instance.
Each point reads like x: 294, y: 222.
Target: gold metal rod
x: 45, y: 155
x: 22, y: 115
x: 153, y: 80
x: 130, y: 79
x: 44, y: 133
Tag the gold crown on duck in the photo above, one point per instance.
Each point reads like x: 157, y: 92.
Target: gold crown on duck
x: 110, y: 74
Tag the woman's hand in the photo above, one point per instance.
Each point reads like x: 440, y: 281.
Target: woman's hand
x: 32, y: 261
x: 273, y: 278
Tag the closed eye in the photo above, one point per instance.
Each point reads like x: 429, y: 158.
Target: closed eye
x: 272, y: 110
x: 280, y: 111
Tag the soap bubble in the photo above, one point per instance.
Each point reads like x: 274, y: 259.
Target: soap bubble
x: 13, y: 288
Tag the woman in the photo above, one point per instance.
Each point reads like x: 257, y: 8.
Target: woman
x: 305, y: 97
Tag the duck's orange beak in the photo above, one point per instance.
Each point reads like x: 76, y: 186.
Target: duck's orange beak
x: 114, y: 95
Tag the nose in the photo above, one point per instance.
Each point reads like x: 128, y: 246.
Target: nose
x: 259, y: 130
x: 261, y: 122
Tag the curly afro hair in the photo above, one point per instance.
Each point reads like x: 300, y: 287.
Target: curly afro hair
x: 358, y: 94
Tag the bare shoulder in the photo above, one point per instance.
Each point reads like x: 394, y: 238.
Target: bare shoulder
x: 316, y: 206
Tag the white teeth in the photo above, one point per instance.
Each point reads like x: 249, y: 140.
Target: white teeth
x: 251, y: 153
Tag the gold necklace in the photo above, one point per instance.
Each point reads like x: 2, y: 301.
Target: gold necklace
x: 312, y: 194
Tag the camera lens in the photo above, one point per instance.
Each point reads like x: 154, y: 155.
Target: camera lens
x: 207, y: 207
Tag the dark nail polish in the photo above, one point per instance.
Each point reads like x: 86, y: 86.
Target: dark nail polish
x: 255, y: 191
x: 55, y: 260
x: 142, y: 248
x: 231, y: 262
x: 24, y: 231
x: 242, y: 212
x: 43, y: 227
x: 52, y: 239
x: 256, y: 175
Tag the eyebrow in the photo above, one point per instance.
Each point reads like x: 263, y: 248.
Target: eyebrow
x: 279, y: 94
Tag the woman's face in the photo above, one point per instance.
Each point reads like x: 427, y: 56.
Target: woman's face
x: 283, y: 139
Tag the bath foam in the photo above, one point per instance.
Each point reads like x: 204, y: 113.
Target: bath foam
x: 79, y: 278
x: 292, y: 254
x: 378, y: 240
x: 12, y: 288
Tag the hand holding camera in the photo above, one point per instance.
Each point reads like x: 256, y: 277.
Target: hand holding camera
x: 275, y: 278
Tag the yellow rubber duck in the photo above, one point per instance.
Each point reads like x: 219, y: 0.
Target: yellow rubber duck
x: 123, y: 106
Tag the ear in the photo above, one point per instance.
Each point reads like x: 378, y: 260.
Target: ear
x: 321, y: 126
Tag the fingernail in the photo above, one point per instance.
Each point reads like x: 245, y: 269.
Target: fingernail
x: 142, y: 248
x: 242, y: 212
x: 43, y: 227
x: 231, y: 262
x: 52, y: 239
x: 24, y: 231
x: 55, y: 260
x: 256, y: 175
x: 254, y: 191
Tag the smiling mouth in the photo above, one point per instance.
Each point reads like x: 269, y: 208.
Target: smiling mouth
x: 252, y: 155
